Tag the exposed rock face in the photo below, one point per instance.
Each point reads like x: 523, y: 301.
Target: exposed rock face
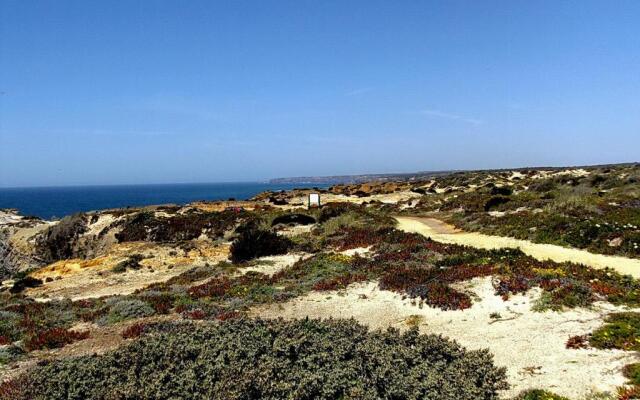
x: 29, y: 243
x: 16, y: 245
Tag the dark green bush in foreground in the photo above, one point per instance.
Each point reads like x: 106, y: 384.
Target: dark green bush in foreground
x: 256, y: 359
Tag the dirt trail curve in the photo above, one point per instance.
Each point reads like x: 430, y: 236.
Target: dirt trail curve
x: 442, y: 232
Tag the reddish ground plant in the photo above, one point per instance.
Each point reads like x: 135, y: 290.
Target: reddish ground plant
x: 195, y: 314
x: 54, y: 338
x: 339, y: 282
x: 352, y: 238
x: 226, y: 315
x: 629, y: 393
x: 401, y: 279
x: 181, y: 308
x: 13, y: 388
x: 458, y: 273
x: 605, y: 289
x: 4, y: 340
x: 578, y: 342
x: 162, y: 304
x: 216, y: 287
x: 507, y: 285
x: 133, y: 331
x: 440, y: 295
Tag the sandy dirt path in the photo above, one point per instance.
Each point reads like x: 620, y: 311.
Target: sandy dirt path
x: 442, y: 232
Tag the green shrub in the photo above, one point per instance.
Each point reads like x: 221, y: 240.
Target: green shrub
x: 333, y: 210
x: 495, y: 202
x: 132, y: 262
x: 632, y: 372
x: 178, y: 227
x: 9, y: 354
x: 9, y: 326
x: 255, y: 359
x: 293, y: 218
x: 24, y: 283
x: 254, y: 242
x: 621, y: 331
x: 543, y: 185
x: 537, y: 394
x: 123, y: 309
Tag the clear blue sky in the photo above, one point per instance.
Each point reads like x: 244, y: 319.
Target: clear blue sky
x: 101, y: 92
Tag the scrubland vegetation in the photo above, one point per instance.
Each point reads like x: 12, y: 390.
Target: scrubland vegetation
x: 212, y: 349
x: 599, y: 212
x: 272, y: 360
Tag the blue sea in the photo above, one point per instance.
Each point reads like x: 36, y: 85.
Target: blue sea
x: 57, y: 202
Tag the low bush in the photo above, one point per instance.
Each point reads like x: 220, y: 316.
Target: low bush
x: 339, y: 282
x: 501, y: 190
x: 178, y: 227
x: 195, y: 314
x: 54, y: 338
x: 537, y: 394
x: 132, y: 262
x: 332, y: 210
x: 304, y: 359
x: 578, y: 342
x: 9, y: 354
x: 295, y: 219
x: 254, y: 242
x: 632, y: 372
x: 628, y: 393
x: 495, y: 201
x: 160, y: 301
x: 24, y: 283
x: 439, y: 295
x: 621, y: 331
x: 133, y: 331
x: 351, y: 237
x: 123, y: 309
x: 216, y: 287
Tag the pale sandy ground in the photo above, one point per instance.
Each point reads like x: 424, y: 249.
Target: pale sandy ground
x: 441, y: 232
x: 83, y: 279
x: 361, y: 251
x: 273, y: 264
x: 530, y: 345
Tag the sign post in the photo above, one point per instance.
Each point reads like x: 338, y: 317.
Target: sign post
x: 314, y: 200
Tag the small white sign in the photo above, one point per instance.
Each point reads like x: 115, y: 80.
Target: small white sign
x: 314, y: 200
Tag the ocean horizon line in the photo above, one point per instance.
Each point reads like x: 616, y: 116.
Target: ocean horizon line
x: 107, y: 185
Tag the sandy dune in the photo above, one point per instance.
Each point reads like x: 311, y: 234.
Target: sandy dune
x: 442, y: 232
